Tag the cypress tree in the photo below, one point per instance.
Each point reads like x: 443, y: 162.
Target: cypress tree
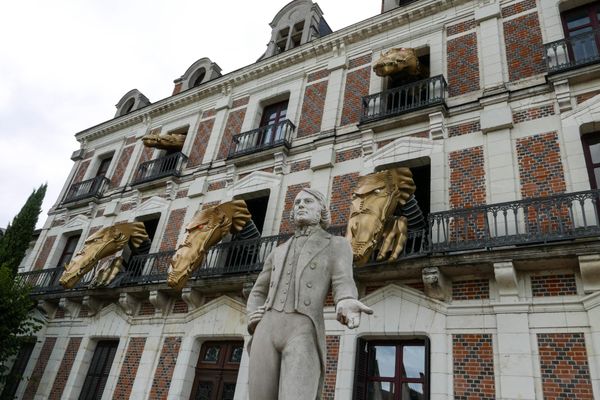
x: 19, y: 233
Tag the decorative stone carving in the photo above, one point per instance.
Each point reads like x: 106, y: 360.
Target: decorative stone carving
x: 589, y: 265
x: 93, y: 304
x: 437, y: 126
x: 107, y: 241
x: 436, y: 284
x: 204, y: 231
x: 129, y: 303
x: 71, y: 307
x: 160, y: 301
x: 192, y: 298
x: 48, y: 307
x: 506, y: 279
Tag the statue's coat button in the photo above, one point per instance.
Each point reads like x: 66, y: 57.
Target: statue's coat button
x: 313, y: 265
x: 308, y: 284
x: 307, y: 302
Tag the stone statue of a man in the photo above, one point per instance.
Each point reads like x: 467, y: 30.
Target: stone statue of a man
x: 285, y: 306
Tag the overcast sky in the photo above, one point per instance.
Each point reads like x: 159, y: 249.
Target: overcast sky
x: 64, y: 64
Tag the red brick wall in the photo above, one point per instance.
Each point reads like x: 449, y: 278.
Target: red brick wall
x: 165, y: 367
x: 332, y: 343
x: 169, y: 240
x: 357, y: 86
x: 240, y: 102
x: 211, y: 112
x: 467, y: 178
x: 473, y: 289
x: 40, y: 367
x: 44, y: 253
x: 346, y: 155
x: 300, y: 165
x: 341, y: 197
x: 124, y: 158
x: 315, y: 76
x: 65, y: 368
x: 177, y: 88
x: 460, y: 27
x: 180, y: 307
x: 81, y: 170
x: 540, y: 166
x: 216, y: 185
x: 463, y: 129
x: 473, y: 357
x: 232, y: 127
x: 553, y: 285
x: 518, y: 8
x: 312, y: 109
x: 533, y: 113
x: 129, y: 368
x: 586, y: 96
x: 147, y: 308
x: 210, y: 204
x: 286, y: 225
x: 564, y: 366
x: 524, y: 47
x: 463, y: 64
x: 200, y: 142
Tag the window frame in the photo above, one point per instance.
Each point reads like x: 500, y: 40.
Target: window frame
x: 67, y: 254
x: 362, y: 377
x: 587, y: 141
x: 91, y: 389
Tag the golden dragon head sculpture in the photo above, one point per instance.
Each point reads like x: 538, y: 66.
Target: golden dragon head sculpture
x: 204, y: 231
x: 107, y: 241
x: 398, y: 60
x: 371, y: 222
x: 168, y: 141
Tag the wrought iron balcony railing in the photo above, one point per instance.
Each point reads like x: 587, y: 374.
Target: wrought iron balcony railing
x: 524, y: 222
x: 573, y: 52
x: 531, y: 221
x: 170, y: 165
x: 262, y: 138
x: 403, y: 99
x: 91, y: 188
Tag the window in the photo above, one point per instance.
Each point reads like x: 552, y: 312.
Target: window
x: 581, y: 26
x: 272, y: 121
x: 217, y: 370
x: 392, y: 370
x: 591, y: 151
x: 97, y: 375
x: 151, y: 225
x: 18, y: 369
x: 68, y: 250
x: 198, y: 77
x: 103, y: 167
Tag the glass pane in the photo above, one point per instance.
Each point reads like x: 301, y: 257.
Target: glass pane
x: 236, y: 354
x: 412, y: 391
x: 228, y: 391
x: 380, y: 391
x: 204, y: 391
x: 382, y: 361
x: 212, y: 354
x: 584, y: 46
x: 595, y: 152
x: 578, y: 18
x: 414, y: 361
x: 597, y: 175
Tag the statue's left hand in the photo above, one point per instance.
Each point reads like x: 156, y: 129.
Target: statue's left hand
x: 348, y: 312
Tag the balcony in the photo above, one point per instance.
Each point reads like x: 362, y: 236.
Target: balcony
x: 265, y: 137
x: 524, y: 222
x: 573, y: 52
x: 91, y: 188
x: 170, y: 165
x: 404, y: 99
x: 555, y: 219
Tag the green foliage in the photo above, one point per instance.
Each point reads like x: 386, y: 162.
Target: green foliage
x: 19, y: 233
x: 16, y: 322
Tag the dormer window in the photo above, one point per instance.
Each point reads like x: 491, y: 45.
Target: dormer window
x: 198, y: 77
x: 131, y: 101
x: 198, y: 73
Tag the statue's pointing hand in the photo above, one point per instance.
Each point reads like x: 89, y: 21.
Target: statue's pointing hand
x: 348, y: 312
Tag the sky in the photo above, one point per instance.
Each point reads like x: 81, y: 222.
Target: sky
x: 64, y: 64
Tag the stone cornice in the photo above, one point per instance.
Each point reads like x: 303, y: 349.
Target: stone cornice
x: 224, y: 84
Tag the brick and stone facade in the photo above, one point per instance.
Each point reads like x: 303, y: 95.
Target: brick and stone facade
x: 129, y: 369
x: 40, y: 367
x: 463, y: 64
x: 65, y: 368
x: 357, y: 86
x: 166, y: 366
x: 312, y: 109
x: 524, y: 46
x: 553, y: 285
x: 473, y: 356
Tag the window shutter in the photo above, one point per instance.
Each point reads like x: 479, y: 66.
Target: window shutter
x: 360, y: 372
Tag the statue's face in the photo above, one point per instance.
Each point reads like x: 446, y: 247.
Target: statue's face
x: 307, y: 209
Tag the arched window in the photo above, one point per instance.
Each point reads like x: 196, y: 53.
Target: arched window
x: 198, y: 77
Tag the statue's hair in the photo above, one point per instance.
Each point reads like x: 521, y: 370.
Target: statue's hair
x: 325, y: 219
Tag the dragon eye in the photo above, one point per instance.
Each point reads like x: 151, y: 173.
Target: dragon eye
x: 377, y: 191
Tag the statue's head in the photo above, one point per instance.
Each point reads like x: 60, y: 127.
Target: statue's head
x: 395, y: 61
x: 310, y: 208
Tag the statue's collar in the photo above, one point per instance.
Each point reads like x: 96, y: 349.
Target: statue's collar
x: 305, y: 230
